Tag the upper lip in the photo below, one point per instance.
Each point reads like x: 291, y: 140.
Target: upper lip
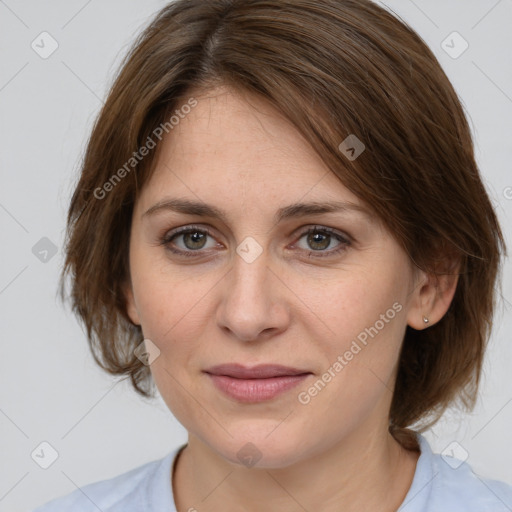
x: 261, y: 371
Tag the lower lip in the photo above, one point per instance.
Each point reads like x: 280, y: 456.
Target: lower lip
x: 256, y: 390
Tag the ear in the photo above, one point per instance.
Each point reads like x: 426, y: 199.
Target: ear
x: 131, y: 308
x: 432, y: 297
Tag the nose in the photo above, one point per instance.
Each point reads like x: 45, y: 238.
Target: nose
x: 254, y: 303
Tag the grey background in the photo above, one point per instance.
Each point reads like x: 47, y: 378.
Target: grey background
x: 50, y: 388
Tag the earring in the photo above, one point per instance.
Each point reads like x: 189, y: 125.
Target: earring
x: 425, y: 320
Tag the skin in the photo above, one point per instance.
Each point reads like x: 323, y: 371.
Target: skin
x: 289, y: 306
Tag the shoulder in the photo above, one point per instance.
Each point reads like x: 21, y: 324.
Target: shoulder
x: 444, y: 483
x: 125, y: 492
x: 455, y: 481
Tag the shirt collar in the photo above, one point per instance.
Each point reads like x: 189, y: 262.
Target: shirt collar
x: 417, y: 498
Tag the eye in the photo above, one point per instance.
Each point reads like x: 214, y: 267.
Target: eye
x: 187, y: 240
x: 193, y: 241
x: 318, y: 239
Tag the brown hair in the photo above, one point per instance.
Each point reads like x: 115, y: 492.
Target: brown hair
x: 333, y: 68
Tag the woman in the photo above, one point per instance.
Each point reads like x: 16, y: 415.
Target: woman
x: 281, y: 223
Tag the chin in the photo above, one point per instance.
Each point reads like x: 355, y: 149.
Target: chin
x: 261, y: 448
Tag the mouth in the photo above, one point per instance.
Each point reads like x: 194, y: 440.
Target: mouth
x: 256, y: 384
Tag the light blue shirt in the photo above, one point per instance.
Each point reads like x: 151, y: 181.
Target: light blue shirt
x: 440, y: 484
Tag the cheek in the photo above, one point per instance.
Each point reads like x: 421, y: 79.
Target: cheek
x: 179, y: 393
x: 361, y: 319
x: 360, y: 350
x: 170, y: 310
x: 356, y: 303
x: 166, y: 298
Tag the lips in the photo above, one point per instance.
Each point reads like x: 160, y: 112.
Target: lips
x: 263, y: 371
x: 256, y: 384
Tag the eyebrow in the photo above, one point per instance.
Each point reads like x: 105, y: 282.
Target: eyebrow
x: 287, y: 212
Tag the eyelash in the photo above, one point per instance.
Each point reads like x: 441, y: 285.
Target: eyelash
x: 169, y: 237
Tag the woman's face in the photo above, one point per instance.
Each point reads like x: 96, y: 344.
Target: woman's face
x: 252, y: 286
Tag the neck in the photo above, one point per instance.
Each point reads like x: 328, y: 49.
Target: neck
x: 365, y: 471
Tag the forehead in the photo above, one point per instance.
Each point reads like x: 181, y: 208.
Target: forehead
x: 232, y: 147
